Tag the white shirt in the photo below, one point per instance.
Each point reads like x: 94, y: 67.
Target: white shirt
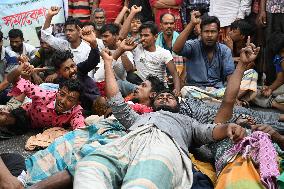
x: 28, y: 50
x: 153, y: 63
x: 229, y: 10
x: 80, y: 54
x: 118, y: 68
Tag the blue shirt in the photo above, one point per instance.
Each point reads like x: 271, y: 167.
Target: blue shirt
x: 201, y: 72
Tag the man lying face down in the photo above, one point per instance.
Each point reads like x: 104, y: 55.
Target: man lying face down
x: 48, y: 108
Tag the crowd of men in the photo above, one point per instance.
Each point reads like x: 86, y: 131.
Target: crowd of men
x: 169, y: 90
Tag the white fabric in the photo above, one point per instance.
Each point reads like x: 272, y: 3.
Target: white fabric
x: 153, y: 63
x: 80, y: 54
x: 118, y: 68
x: 229, y: 11
x: 28, y: 50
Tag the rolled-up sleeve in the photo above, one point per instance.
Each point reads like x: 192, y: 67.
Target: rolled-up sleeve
x: 202, y: 133
x: 228, y: 62
x: 56, y: 43
x: 187, y: 50
x: 122, y: 111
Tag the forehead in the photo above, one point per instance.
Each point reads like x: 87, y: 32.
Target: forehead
x: 146, y: 31
x: 74, y: 94
x: 212, y: 26
x: 146, y: 83
x: 107, y: 33
x: 136, y: 20
x: 165, y: 94
x: 168, y: 18
x: 70, y: 27
x: 99, y: 14
x: 69, y: 62
x: 16, y: 39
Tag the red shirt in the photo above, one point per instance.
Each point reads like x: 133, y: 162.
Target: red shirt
x: 112, y: 9
x: 42, y: 110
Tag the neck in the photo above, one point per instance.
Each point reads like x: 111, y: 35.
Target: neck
x: 168, y: 38
x: 75, y: 44
x: 146, y: 102
x: 152, y: 48
x: 209, y: 48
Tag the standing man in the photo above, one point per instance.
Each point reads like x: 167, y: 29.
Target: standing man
x: 17, y: 44
x: 167, y: 38
x: 79, y: 48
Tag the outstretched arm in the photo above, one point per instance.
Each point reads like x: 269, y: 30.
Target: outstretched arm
x: 7, y: 180
x: 180, y: 41
x: 247, y: 57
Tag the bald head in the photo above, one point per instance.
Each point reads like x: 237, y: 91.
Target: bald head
x: 167, y: 24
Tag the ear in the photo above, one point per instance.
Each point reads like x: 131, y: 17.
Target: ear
x: 152, y: 95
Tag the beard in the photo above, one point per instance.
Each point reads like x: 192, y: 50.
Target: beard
x: 167, y: 108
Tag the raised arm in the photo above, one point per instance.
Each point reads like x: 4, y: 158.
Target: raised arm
x: 46, y: 32
x: 126, y: 26
x: 247, y: 57
x: 121, y: 110
x: 121, y: 15
x: 180, y: 41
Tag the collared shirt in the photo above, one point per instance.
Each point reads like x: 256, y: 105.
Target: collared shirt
x: 28, y: 50
x: 42, y: 111
x: 185, y: 130
x: 80, y: 54
x: 8, y: 62
x: 229, y: 11
x: 201, y: 72
x: 275, y: 6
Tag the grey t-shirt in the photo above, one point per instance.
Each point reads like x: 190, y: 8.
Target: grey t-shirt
x: 185, y: 130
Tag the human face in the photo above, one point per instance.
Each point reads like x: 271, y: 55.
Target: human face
x: 166, y: 101
x: 66, y: 99
x: 109, y: 40
x: 45, y: 46
x: 135, y: 25
x: 17, y: 44
x: 68, y: 69
x: 143, y: 92
x: 209, y: 34
x: 72, y: 33
x: 99, y: 19
x: 168, y: 24
x: 236, y: 35
x: 147, y: 38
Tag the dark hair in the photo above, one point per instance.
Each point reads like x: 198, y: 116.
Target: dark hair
x: 162, y: 16
x: 14, y: 33
x: 138, y: 16
x: 209, y: 20
x: 276, y: 42
x: 245, y: 28
x: 88, y: 24
x: 112, y: 28
x: 151, y: 25
x: 177, y: 100
x: 156, y: 84
x: 72, y: 85
x: 59, y: 57
x: 73, y: 21
x: 1, y: 36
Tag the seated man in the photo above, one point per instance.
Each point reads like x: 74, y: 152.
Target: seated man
x: 272, y: 96
x: 209, y: 64
x: 48, y: 108
x: 164, y: 136
x: 42, y: 59
x: 8, y: 61
x: 149, y: 58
